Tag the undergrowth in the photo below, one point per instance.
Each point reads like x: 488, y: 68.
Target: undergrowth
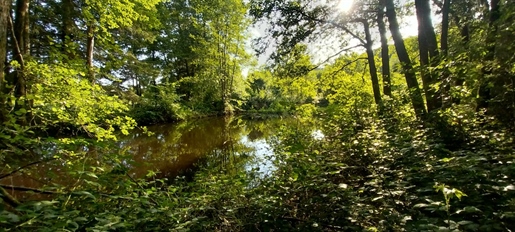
x: 363, y: 175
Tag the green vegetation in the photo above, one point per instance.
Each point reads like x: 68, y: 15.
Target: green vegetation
x: 418, y: 133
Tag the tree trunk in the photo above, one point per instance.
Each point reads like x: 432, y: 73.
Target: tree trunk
x: 89, y: 53
x: 372, y: 66
x: 67, y: 27
x: 21, y: 43
x: 465, y: 39
x: 407, y: 66
x: 21, y: 26
x: 444, y: 39
x: 428, y: 54
x: 385, y: 57
x: 21, y: 50
x: 484, y: 91
x: 444, y: 47
x: 5, y: 6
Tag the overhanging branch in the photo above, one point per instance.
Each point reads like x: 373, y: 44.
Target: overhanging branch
x: 336, y: 54
x: 347, y: 64
x: 332, y: 23
x: 347, y: 30
x: 2, y: 176
x: 27, y: 189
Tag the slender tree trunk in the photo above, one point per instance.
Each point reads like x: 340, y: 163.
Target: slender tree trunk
x: 444, y: 47
x: 372, y: 66
x: 385, y: 57
x: 21, y: 44
x: 407, y: 66
x: 225, y: 70
x: 20, y: 30
x: 90, y: 52
x: 5, y: 6
x: 428, y: 54
x: 444, y: 39
x: 231, y: 90
x: 424, y: 10
x: 484, y: 92
x: 465, y: 39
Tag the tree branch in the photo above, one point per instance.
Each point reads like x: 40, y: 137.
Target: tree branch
x: 347, y: 64
x: 347, y: 30
x: 27, y: 189
x: 336, y: 54
x: 40, y: 191
x: 16, y: 44
x: 2, y: 176
x: 8, y: 198
x: 332, y: 23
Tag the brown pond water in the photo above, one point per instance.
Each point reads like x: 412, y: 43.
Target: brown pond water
x: 222, y: 143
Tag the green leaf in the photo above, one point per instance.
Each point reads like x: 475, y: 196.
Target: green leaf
x: 74, y: 225
x: 446, y: 160
x: 92, y: 175
x: 294, y: 176
x: 84, y: 193
x: 459, y: 194
x: 421, y: 205
x: 463, y: 223
x: 469, y: 209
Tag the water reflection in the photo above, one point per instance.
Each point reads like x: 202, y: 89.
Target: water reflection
x: 263, y: 156
x: 216, y: 143
x: 228, y: 144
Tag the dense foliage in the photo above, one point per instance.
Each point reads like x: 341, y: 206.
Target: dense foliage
x: 413, y: 135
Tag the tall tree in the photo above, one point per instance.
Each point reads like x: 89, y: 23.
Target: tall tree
x: 485, y: 94
x: 444, y: 47
x: 21, y: 51
x: 444, y: 38
x: 5, y: 6
x: 385, y: 53
x: 372, y: 64
x: 68, y: 14
x: 407, y: 66
x: 428, y: 49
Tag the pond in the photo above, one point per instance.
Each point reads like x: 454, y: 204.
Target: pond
x: 229, y: 144
x: 214, y: 143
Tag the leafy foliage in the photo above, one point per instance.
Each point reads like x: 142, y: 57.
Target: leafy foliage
x: 347, y: 163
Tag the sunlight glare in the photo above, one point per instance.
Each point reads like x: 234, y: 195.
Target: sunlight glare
x: 345, y: 5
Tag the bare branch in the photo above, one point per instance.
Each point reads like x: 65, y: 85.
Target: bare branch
x: 40, y: 191
x: 336, y: 54
x: 25, y: 166
x: 27, y: 189
x: 347, y: 30
x: 347, y: 64
x: 334, y: 24
x: 16, y: 44
x: 8, y: 198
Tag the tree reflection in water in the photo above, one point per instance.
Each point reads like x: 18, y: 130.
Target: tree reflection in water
x: 230, y: 145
